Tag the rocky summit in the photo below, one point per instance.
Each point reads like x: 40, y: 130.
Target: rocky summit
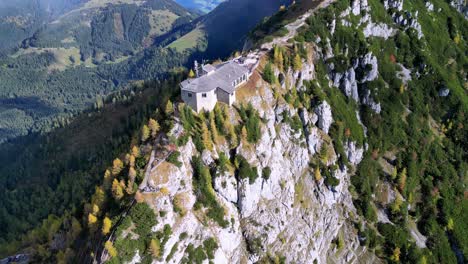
x: 343, y: 141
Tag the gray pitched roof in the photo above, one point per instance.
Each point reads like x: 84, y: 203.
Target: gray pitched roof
x: 223, y: 77
x: 208, y: 67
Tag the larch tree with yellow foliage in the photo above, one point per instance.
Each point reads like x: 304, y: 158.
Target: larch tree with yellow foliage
x: 95, y: 209
x: 402, y: 180
x: 117, y: 166
x: 214, y: 130
x: 132, y: 174
x: 396, y: 255
x: 206, y: 137
x: 191, y: 74
x: 231, y: 134
x: 154, y: 127
x: 106, y: 225
x: 155, y: 248
x: 169, y: 109
x: 244, y: 133
x: 278, y: 56
x: 297, y: 63
x: 145, y: 133
x: 135, y: 152
x: 117, y: 191
x: 92, y: 219
x: 317, y: 174
x: 131, y: 161
x: 109, y: 246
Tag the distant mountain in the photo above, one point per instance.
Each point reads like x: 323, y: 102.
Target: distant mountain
x: 202, y: 5
x: 70, y: 53
x: 20, y: 18
x: 226, y: 27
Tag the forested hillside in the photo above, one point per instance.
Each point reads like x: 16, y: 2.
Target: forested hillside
x: 21, y: 18
x: 51, y: 176
x: 72, y: 61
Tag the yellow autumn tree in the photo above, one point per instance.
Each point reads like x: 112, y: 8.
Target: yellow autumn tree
x: 154, y: 127
x: 214, y: 130
x: 92, y: 219
x: 231, y: 134
x: 155, y: 248
x: 317, y: 174
x: 278, y: 57
x: 169, y: 109
x: 206, y: 137
x: 109, y: 246
x: 106, y: 225
x: 145, y: 133
x: 131, y: 161
x: 117, y: 191
x: 132, y: 174
x: 98, y: 197
x: 95, y: 209
x: 402, y: 180
x: 107, y: 179
x: 450, y: 224
x: 191, y: 74
x: 297, y: 63
x: 244, y: 133
x: 117, y: 166
x: 396, y: 254
x: 396, y: 206
x: 135, y: 152
x: 129, y: 188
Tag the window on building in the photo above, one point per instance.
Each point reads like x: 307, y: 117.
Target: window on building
x: 203, y: 95
x: 189, y: 94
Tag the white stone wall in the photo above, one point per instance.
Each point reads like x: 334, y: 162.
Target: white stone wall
x: 206, y: 103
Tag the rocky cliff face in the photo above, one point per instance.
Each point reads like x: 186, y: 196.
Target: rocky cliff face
x: 291, y: 213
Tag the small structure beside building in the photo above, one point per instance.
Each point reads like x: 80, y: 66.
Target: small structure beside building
x: 215, y: 84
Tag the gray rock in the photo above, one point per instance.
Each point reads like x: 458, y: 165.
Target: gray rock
x: 378, y: 30
x: 371, y: 60
x: 444, y: 92
x: 325, y: 118
x: 349, y: 84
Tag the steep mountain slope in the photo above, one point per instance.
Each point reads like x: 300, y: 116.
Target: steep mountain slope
x: 239, y: 16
